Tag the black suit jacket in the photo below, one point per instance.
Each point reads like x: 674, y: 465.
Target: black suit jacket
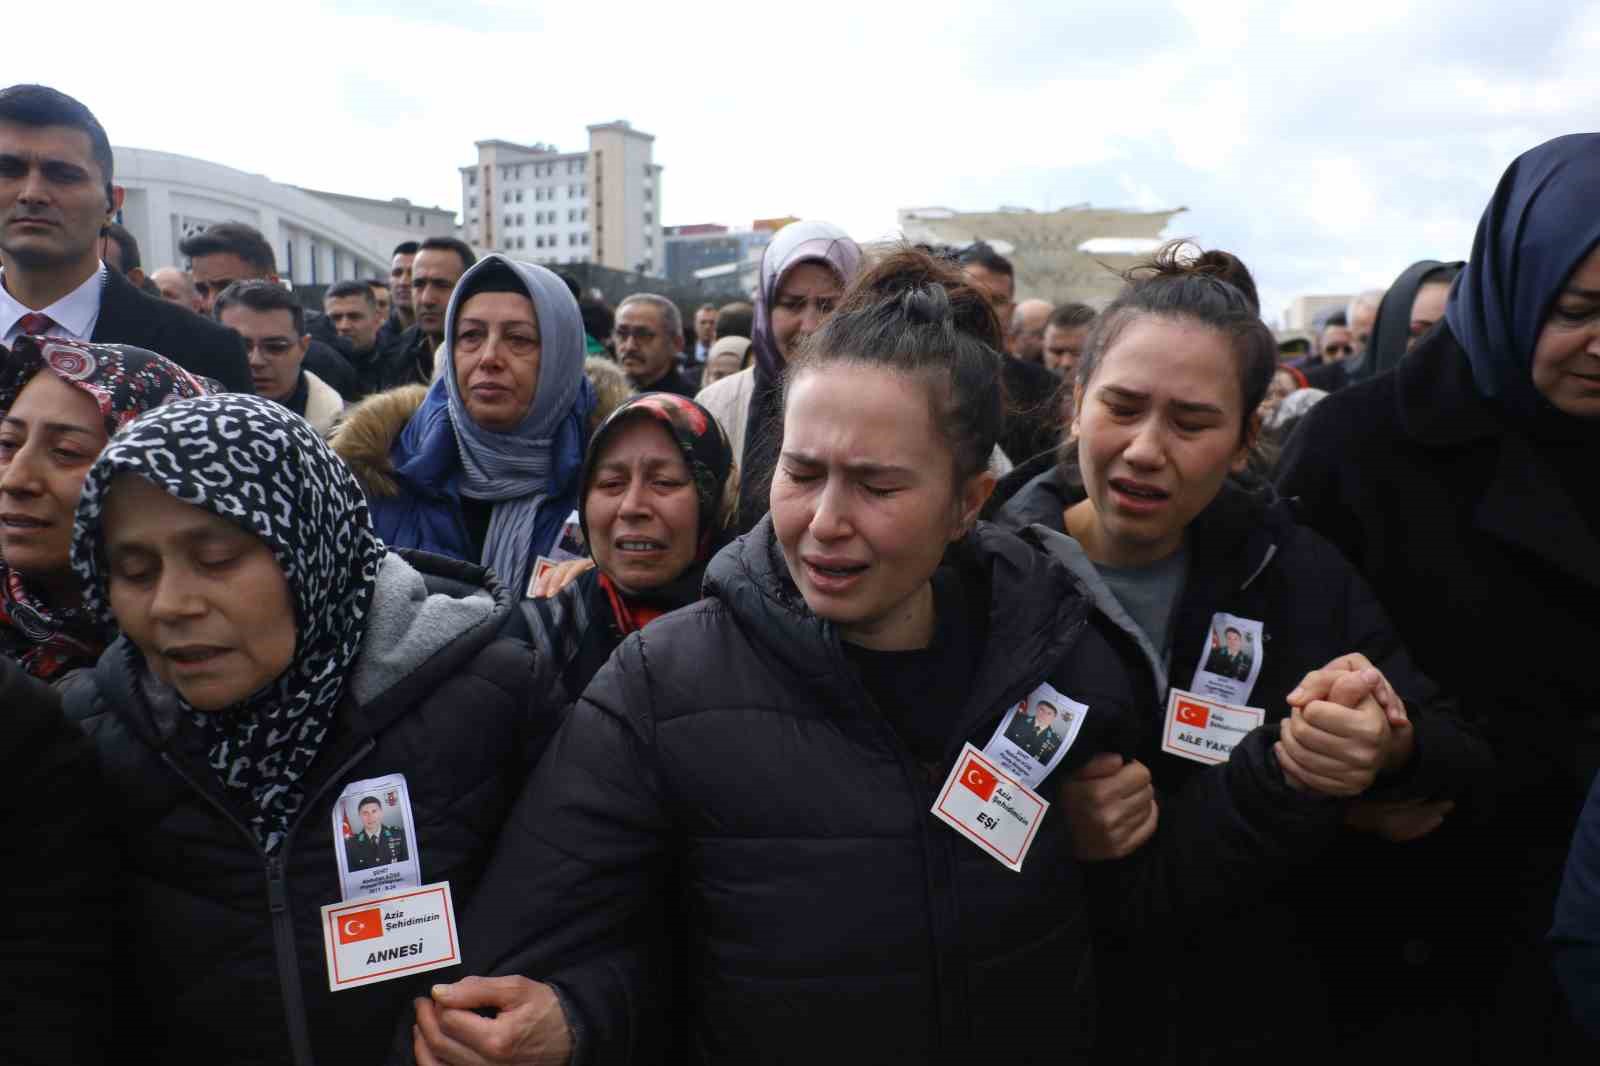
x: 200, y: 346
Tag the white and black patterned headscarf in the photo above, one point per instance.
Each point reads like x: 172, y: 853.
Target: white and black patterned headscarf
x: 256, y: 463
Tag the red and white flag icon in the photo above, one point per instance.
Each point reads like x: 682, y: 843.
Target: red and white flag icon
x: 361, y: 925
x: 978, y: 780
x: 1193, y: 714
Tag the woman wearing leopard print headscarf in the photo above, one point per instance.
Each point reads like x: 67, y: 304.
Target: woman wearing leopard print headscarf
x: 275, y: 653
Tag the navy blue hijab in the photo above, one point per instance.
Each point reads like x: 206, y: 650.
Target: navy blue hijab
x: 1543, y: 220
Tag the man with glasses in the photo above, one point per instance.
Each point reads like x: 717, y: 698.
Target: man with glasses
x: 648, y: 332
x: 57, y: 203
x: 272, y: 323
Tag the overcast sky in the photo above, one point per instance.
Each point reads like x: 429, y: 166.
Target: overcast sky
x: 1328, y: 144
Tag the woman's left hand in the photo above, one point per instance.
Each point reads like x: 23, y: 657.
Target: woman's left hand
x: 529, y: 1027
x: 559, y: 577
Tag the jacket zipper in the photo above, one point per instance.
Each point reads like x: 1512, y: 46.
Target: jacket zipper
x: 294, y: 1004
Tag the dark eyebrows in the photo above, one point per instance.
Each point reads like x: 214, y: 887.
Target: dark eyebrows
x: 857, y: 467
x: 50, y: 427
x: 1183, y: 405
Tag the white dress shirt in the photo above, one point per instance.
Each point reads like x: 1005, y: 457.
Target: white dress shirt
x: 74, y: 314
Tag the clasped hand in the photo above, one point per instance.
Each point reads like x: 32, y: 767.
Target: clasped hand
x: 1345, y: 726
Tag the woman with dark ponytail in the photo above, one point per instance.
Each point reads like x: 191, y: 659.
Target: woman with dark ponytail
x: 752, y: 857
x: 1228, y: 599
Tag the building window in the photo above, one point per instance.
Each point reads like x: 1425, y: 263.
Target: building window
x: 649, y: 195
x: 583, y: 215
x: 472, y: 177
x: 649, y: 240
x: 647, y: 170
x: 472, y: 201
x: 585, y: 240
x: 648, y: 218
x: 572, y: 214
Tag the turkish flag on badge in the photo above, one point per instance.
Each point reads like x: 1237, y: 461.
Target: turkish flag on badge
x: 978, y: 780
x: 1193, y: 714
x: 361, y: 925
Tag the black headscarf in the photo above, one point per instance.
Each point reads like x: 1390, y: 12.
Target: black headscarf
x: 1543, y: 220
x: 1391, y: 328
x: 259, y: 465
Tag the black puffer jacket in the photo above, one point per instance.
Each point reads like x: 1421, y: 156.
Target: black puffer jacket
x: 223, y: 957
x: 1319, y: 934
x: 727, y: 766
x: 55, y: 908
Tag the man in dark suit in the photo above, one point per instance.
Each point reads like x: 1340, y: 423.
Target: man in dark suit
x: 56, y: 199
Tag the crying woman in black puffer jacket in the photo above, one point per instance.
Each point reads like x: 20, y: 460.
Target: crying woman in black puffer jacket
x: 733, y: 851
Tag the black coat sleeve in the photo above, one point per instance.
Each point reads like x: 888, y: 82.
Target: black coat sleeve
x: 574, y: 893
x: 1226, y: 838
x: 1451, y: 759
x: 1576, y: 935
x: 54, y: 934
x: 1310, y: 474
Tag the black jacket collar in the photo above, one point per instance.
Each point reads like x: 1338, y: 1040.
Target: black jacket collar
x: 1036, y: 610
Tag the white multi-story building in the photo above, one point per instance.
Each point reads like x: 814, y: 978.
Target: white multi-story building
x: 539, y: 204
x: 318, y: 237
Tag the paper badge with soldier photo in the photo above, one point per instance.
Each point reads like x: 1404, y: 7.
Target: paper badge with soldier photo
x: 375, y: 840
x: 1035, y: 734
x: 1230, y: 660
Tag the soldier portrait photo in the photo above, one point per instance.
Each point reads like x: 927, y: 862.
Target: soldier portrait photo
x: 1038, y: 734
x: 374, y: 844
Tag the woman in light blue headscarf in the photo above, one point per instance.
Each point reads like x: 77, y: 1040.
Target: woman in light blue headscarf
x: 486, y: 468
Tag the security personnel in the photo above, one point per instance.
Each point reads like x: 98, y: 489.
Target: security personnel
x: 377, y: 844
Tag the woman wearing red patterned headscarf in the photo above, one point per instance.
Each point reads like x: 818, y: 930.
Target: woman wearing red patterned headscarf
x: 655, y: 504
x: 52, y: 427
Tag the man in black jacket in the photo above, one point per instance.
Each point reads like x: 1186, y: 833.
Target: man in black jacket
x: 1033, y: 417
x: 230, y: 252
x: 56, y: 199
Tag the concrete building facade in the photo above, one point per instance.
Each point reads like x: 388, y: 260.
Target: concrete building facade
x: 318, y: 237
x: 535, y: 202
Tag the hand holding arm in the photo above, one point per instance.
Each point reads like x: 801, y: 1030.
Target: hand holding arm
x: 529, y: 1027
x: 1110, y: 806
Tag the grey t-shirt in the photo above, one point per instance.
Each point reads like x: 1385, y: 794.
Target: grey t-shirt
x: 1150, y: 594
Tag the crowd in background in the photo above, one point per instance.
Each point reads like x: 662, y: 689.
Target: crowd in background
x: 674, y: 621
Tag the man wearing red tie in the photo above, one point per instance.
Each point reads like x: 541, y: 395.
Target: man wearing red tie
x: 56, y: 199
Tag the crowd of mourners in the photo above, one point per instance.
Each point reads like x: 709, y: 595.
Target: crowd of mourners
x: 674, y: 630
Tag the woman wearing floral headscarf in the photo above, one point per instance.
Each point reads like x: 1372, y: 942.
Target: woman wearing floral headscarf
x: 655, y: 505
x: 52, y: 426
x: 275, y: 655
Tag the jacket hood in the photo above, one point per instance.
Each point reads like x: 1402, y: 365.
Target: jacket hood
x: 1037, y: 609
x: 367, y: 433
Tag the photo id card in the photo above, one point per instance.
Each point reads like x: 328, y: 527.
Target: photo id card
x: 384, y: 937
x: 1035, y: 734
x: 991, y: 808
x: 375, y: 839
x: 1205, y: 730
x: 541, y: 565
x: 1230, y: 660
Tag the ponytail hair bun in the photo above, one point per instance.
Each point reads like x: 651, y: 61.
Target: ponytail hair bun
x: 924, y: 290
x: 1209, y: 287
x: 1183, y: 258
